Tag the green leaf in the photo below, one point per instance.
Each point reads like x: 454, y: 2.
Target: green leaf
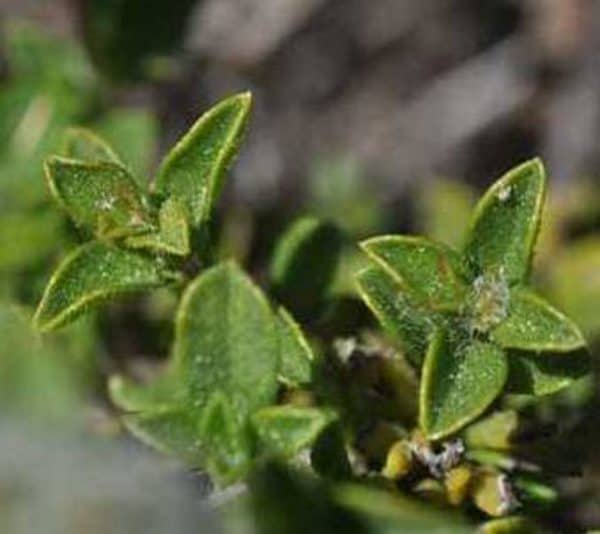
x: 405, y: 322
x: 170, y: 429
x: 532, y: 324
x: 506, y: 221
x: 194, y: 170
x: 304, y: 265
x: 84, y: 145
x: 432, y: 272
x: 91, y: 274
x: 226, y: 340
x: 494, y: 432
x: 224, y: 368
x: 296, y: 354
x: 225, y: 440
x: 101, y: 195
x: 173, y: 236
x: 163, y: 392
x: 531, y: 375
x: 286, y: 430
x: 460, y: 379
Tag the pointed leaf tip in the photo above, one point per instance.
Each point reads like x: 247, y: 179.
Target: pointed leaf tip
x: 91, y: 274
x: 431, y: 272
x: 193, y: 171
x: 506, y: 222
x: 533, y: 324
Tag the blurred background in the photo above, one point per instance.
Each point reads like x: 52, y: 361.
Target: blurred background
x: 383, y: 116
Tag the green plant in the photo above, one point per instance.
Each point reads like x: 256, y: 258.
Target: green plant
x: 246, y: 385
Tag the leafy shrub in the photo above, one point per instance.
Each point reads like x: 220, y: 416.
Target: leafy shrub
x: 422, y: 406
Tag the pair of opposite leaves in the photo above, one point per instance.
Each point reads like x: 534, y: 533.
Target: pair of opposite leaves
x: 469, y: 319
x: 215, y: 406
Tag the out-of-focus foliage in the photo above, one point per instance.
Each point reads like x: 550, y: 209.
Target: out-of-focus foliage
x: 124, y: 36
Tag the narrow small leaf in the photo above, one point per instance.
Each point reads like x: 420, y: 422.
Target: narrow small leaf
x: 531, y: 375
x: 226, y: 340
x: 91, y: 274
x: 460, y: 379
x: 84, y: 145
x: 506, y: 221
x: 286, y: 430
x: 398, y: 316
x: 296, y: 353
x: 194, y: 170
x: 101, y: 195
x: 432, y: 272
x: 532, y: 324
x: 304, y: 265
x: 173, y: 236
x: 225, y: 440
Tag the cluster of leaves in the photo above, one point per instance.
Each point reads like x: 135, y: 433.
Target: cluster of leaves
x: 568, y: 254
x: 244, y: 383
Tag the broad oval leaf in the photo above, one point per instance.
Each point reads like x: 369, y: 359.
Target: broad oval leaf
x: 84, y: 145
x: 432, y: 272
x: 295, y: 352
x: 101, y: 195
x: 286, y: 430
x: 460, y: 379
x: 533, y: 324
x: 91, y: 274
x: 406, y: 323
x: 226, y: 340
x: 506, y: 221
x: 173, y: 236
x: 194, y: 169
x: 304, y: 265
x: 531, y: 375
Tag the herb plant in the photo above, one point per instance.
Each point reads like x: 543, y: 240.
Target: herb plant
x: 247, y: 385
